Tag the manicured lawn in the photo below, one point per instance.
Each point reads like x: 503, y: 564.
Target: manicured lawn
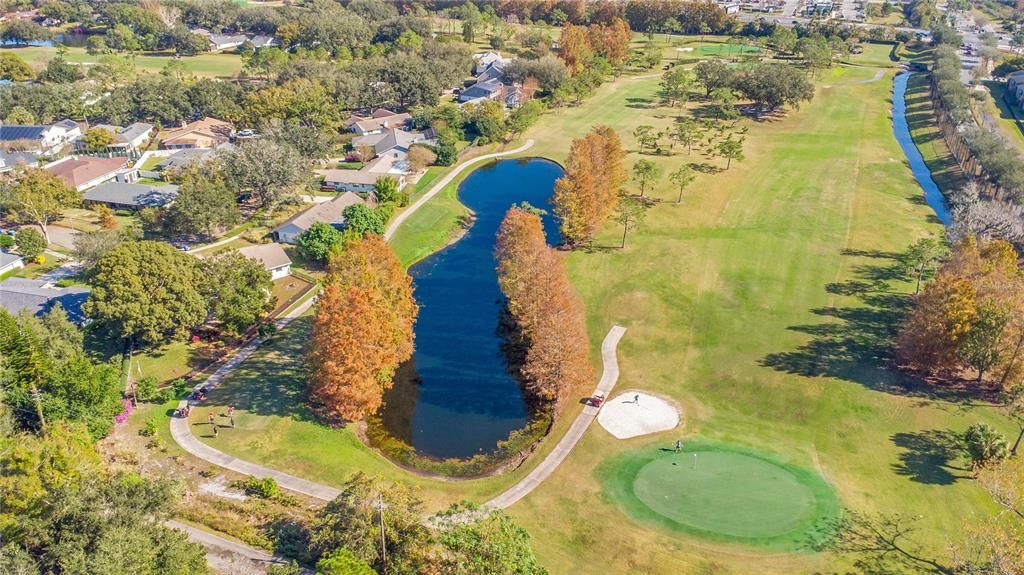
x: 1005, y: 119
x: 764, y: 305
x: 201, y: 65
x: 925, y: 130
x: 752, y: 305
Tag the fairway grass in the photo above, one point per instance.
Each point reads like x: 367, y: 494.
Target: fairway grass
x: 719, y: 492
x: 209, y: 64
x: 764, y: 305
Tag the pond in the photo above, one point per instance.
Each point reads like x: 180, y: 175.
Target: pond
x: 456, y: 397
x: 932, y: 195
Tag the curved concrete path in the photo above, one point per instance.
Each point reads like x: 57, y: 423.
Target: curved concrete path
x: 447, y: 179
x: 182, y: 433
x: 609, y: 377
x: 227, y: 556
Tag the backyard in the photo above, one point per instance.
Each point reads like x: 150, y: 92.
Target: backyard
x: 764, y: 305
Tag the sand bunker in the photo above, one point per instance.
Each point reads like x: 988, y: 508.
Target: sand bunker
x: 635, y: 413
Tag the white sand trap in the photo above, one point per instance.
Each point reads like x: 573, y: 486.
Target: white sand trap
x: 634, y: 413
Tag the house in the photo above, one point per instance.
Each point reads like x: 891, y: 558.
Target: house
x: 273, y: 258
x: 10, y: 262
x: 486, y: 90
x: 41, y: 139
x: 355, y: 181
x: 84, y: 172
x: 11, y: 160
x: 186, y: 157
x: 205, y: 133
x: 485, y: 60
x: 1015, y: 88
x: 391, y: 140
x: 124, y: 196
x: 38, y: 297
x: 127, y: 140
x: 380, y: 120
x: 221, y: 42
x: 261, y: 41
x: 331, y: 212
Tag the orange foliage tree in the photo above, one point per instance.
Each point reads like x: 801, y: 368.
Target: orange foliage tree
x: 969, y: 319
x: 547, y: 312
x: 588, y: 192
x: 610, y: 41
x: 574, y: 48
x: 362, y: 331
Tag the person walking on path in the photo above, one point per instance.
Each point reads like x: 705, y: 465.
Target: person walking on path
x: 209, y: 418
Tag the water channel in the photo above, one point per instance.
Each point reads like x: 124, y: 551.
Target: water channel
x: 901, y: 129
x: 456, y: 397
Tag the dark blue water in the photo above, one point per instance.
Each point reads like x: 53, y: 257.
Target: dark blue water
x: 932, y: 195
x: 456, y: 397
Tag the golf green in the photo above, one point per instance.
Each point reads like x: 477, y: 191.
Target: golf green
x: 721, y: 492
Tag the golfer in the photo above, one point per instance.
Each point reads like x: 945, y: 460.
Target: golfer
x: 636, y: 399
x: 679, y: 445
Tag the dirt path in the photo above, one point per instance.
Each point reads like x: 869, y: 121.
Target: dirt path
x: 230, y: 557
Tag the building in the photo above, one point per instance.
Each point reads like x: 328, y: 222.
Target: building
x: 205, y: 133
x: 391, y: 140
x: 38, y: 297
x: 485, y: 60
x: 187, y: 157
x: 84, y: 172
x: 355, y: 181
x: 380, y: 120
x: 41, y: 139
x: 331, y: 212
x: 1015, y: 89
x: 221, y: 42
x: 128, y: 141
x: 273, y: 258
x: 10, y: 262
x: 11, y: 160
x: 260, y: 41
x: 486, y: 90
x: 134, y: 197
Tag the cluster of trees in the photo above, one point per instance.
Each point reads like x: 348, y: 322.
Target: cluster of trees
x: 980, y: 150
x: 579, y: 45
x: 146, y: 293
x: 680, y: 16
x: 37, y: 197
x: 47, y: 378
x: 61, y: 511
x: 968, y: 320
x: 362, y: 331
x: 379, y: 527
x: 769, y: 86
x: 589, y: 191
x: 548, y: 325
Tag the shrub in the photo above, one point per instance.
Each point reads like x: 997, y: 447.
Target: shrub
x: 6, y: 241
x: 145, y: 389
x: 149, y: 430
x: 180, y: 387
x: 31, y: 242
x: 265, y: 488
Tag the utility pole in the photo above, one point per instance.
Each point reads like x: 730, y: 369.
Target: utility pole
x: 383, y: 545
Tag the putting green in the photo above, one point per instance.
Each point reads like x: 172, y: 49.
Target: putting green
x: 721, y: 492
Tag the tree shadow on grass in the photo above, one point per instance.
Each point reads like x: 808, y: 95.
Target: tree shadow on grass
x: 855, y: 342
x: 272, y: 380
x: 927, y: 456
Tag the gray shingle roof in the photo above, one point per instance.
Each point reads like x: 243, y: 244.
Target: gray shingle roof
x: 138, y: 195
x: 38, y: 297
x: 328, y: 212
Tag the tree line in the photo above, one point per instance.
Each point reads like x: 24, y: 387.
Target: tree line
x: 547, y: 324
x: 589, y: 191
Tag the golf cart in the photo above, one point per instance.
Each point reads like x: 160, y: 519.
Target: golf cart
x: 597, y: 400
